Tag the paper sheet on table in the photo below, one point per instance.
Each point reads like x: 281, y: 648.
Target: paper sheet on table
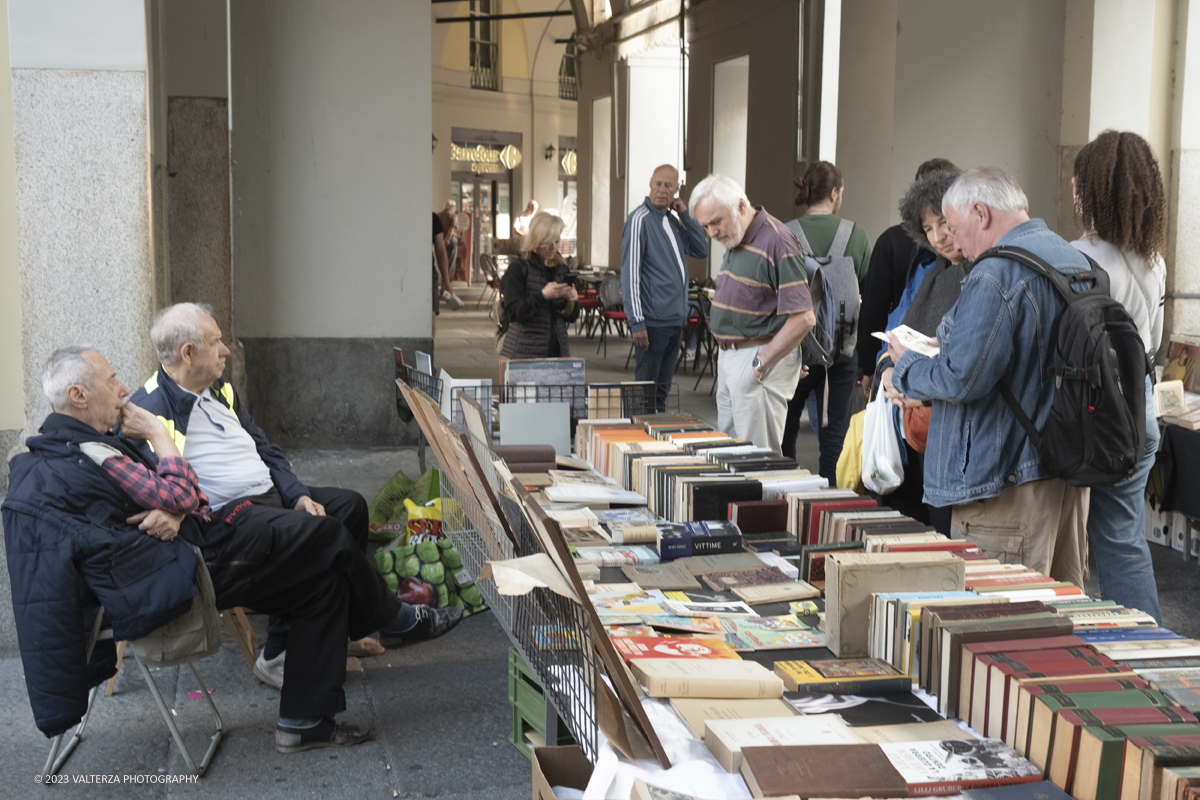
x: 519, y: 576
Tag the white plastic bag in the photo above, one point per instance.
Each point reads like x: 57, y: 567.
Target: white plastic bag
x: 882, y: 465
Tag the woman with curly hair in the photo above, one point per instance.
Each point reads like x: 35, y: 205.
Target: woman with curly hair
x: 930, y: 293
x: 1121, y: 205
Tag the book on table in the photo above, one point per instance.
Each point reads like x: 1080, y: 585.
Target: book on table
x: 1043, y: 718
x: 989, y: 695
x: 710, y: 678
x: 631, y: 647
x: 726, y: 738
x: 694, y: 711
x: 900, y: 769
x: 857, y: 676
x: 1019, y: 724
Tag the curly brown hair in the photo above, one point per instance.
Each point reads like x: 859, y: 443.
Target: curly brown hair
x: 1119, y: 194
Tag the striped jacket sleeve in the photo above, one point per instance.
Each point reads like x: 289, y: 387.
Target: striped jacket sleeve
x: 633, y: 243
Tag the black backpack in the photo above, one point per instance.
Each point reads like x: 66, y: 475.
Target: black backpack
x: 1096, y: 432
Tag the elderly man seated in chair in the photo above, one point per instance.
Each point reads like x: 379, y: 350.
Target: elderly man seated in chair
x: 234, y: 461
x: 91, y: 520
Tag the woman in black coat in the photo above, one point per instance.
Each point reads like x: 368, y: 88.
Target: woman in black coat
x: 537, y: 302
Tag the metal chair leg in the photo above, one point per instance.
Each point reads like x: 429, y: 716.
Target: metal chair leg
x: 58, y: 754
x: 629, y: 356
x: 169, y: 717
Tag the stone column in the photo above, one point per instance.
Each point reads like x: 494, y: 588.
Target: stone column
x: 83, y: 236
x: 1183, y: 233
x: 12, y: 371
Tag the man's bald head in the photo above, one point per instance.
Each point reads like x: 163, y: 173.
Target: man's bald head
x: 664, y: 185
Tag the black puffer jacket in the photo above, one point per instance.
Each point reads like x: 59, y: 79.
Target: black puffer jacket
x: 532, y: 319
x: 70, y: 551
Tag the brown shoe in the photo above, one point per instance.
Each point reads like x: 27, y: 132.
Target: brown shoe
x: 364, y: 647
x: 326, y: 733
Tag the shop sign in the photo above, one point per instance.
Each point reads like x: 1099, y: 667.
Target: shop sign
x: 484, y: 160
x: 570, y: 162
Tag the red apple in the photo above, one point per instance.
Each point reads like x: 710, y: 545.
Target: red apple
x: 416, y: 592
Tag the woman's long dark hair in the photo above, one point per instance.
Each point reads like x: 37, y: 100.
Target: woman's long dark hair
x: 1119, y: 194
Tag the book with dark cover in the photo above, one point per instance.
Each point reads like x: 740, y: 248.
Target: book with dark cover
x: 860, y: 711
x: 833, y: 770
x: 759, y: 516
x: 712, y: 500
x: 728, y: 580
x: 1154, y: 758
x: 932, y: 620
x: 946, y: 669
x: 1021, y: 791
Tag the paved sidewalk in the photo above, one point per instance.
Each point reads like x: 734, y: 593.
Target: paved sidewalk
x: 439, y: 711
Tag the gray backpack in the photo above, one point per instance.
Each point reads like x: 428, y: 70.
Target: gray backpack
x: 833, y: 284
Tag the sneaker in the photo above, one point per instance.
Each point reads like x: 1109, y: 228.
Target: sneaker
x: 326, y: 733
x: 431, y: 623
x: 270, y: 672
x: 365, y: 646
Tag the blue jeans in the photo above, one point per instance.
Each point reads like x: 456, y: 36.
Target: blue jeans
x: 832, y: 436
x: 658, y: 362
x: 1116, y: 520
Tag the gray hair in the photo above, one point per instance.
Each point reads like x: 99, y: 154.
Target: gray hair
x: 991, y: 186
x: 176, y: 326
x: 721, y: 189
x: 65, y: 368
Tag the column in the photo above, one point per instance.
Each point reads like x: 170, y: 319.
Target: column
x: 80, y: 128
x: 12, y: 405
x: 1183, y: 232
x: 331, y: 107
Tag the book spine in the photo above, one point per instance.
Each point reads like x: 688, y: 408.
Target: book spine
x: 865, y: 688
x: 936, y: 788
x: 702, y: 687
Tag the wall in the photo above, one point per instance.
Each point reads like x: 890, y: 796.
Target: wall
x: 993, y: 99
x: 867, y: 103
x: 330, y: 109
x: 12, y: 405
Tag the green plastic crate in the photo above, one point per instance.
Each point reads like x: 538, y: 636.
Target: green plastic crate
x: 529, y: 706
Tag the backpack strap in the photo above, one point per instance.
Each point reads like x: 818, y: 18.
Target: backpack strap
x: 841, y: 239
x: 805, y: 248
x: 1062, y: 284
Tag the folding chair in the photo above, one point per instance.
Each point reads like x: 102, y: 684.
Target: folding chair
x: 611, y: 311
x: 195, y: 635
x: 492, y: 275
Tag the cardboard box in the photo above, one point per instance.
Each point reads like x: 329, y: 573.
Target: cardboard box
x: 559, y: 766
x: 851, y: 578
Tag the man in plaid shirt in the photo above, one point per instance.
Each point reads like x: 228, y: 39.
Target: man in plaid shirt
x: 314, y: 576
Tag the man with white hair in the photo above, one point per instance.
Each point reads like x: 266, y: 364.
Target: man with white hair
x: 91, y: 520
x: 1000, y: 332
x: 760, y: 313
x: 238, y: 467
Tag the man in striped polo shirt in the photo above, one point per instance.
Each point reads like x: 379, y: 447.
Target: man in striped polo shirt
x: 761, y: 311
x: 654, y: 278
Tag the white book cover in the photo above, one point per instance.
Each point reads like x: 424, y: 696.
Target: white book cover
x: 953, y: 763
x: 726, y: 737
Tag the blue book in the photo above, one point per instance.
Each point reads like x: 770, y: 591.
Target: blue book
x: 1127, y: 635
x: 1021, y: 791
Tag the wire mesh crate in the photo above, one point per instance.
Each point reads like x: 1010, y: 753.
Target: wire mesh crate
x: 552, y: 633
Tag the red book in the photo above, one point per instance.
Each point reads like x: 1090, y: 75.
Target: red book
x: 991, y: 718
x: 1031, y: 578
x: 813, y: 524
x: 1071, y: 722
x: 631, y: 647
x: 973, y: 650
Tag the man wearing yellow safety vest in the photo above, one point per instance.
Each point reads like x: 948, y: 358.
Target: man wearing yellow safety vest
x: 261, y: 510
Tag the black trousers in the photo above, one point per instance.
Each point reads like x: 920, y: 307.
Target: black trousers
x: 311, y: 573
x: 349, y: 508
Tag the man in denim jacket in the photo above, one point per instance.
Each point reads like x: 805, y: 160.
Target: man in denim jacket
x: 979, y: 460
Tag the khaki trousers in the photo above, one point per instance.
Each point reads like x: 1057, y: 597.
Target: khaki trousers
x: 751, y: 409
x: 1041, y: 524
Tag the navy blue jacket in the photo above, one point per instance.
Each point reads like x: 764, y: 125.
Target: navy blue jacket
x: 70, y: 551
x: 164, y: 398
